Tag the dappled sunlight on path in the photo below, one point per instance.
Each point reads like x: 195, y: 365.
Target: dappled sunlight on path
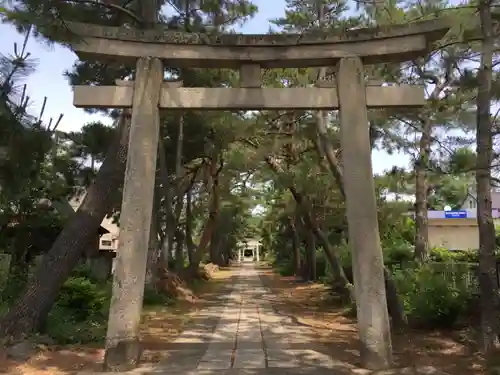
x: 248, y: 335
x: 252, y: 321
x: 334, y: 328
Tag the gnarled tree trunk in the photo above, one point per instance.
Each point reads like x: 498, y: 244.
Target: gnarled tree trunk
x: 421, y: 184
x: 188, y: 232
x: 179, y: 250
x: 394, y: 304
x: 295, y: 246
x: 213, y: 214
x: 344, y: 286
x: 153, y: 245
x: 311, y: 255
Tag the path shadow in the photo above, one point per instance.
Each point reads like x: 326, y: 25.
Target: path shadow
x: 161, y: 329
x: 335, y: 333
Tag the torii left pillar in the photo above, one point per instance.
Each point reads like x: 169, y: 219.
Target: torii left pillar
x: 122, y: 339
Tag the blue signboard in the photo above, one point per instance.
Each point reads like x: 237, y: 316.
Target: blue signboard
x: 455, y: 214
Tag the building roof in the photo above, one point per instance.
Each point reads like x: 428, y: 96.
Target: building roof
x: 495, y: 197
x: 67, y: 208
x: 107, y: 223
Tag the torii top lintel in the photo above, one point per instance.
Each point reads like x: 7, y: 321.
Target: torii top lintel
x: 374, y: 45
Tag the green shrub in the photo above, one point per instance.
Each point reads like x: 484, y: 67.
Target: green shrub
x: 497, y: 235
x: 4, y: 269
x: 83, y: 298
x: 430, y: 299
x: 80, y: 313
x: 399, y: 253
x: 439, y: 254
x: 268, y: 257
x: 344, y: 253
x: 64, y: 329
x: 153, y: 298
x: 286, y: 268
x: 321, y: 265
x: 466, y: 256
x: 85, y: 271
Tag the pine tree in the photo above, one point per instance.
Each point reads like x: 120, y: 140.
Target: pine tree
x: 47, y: 18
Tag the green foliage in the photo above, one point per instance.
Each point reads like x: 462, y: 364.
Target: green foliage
x: 398, y: 254
x: 285, y: 268
x: 322, y: 267
x: 153, y: 298
x: 64, y: 329
x: 431, y: 299
x: 344, y: 253
x: 497, y: 235
x: 83, y: 298
x: 92, y: 140
x: 80, y: 312
x: 444, y: 255
x: 4, y: 268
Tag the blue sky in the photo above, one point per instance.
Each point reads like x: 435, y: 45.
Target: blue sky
x: 48, y: 80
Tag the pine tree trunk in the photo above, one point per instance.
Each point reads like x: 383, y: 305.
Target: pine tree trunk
x: 179, y: 255
x: 487, y: 266
x: 179, y: 251
x: 188, y: 236
x: 36, y: 301
x: 214, y: 208
x: 216, y: 251
x: 168, y: 199
x: 343, y: 286
x: 153, y: 251
x: 215, y: 255
x: 306, y: 261
x: 394, y: 303
x: 325, y: 149
x: 295, y: 247
x: 311, y: 251
x: 421, y: 186
x: 18, y: 270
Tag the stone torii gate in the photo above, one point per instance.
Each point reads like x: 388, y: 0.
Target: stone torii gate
x: 249, y: 245
x: 152, y: 50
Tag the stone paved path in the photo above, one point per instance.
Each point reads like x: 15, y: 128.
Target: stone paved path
x: 243, y: 334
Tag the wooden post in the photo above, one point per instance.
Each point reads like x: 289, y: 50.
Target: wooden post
x: 364, y: 239
x: 122, y: 340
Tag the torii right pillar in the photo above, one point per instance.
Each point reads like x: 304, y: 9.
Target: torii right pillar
x: 364, y: 239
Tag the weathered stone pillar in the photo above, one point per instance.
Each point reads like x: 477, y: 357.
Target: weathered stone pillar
x: 122, y: 340
x: 239, y: 255
x: 364, y: 239
x: 257, y: 251
x: 250, y: 76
